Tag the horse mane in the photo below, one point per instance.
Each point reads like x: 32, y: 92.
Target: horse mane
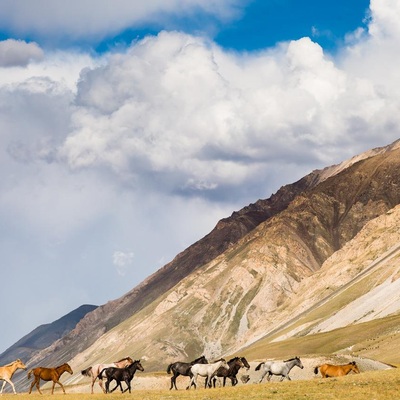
x: 233, y: 359
x: 197, y: 359
x: 292, y: 359
x: 11, y: 363
x: 122, y: 359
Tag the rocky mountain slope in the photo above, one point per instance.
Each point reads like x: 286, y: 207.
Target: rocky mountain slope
x: 286, y: 266
x: 262, y: 275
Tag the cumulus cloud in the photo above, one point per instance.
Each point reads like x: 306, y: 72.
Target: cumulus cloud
x: 146, y: 149
x: 18, y: 53
x: 190, y: 117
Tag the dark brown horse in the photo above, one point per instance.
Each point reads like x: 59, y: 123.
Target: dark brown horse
x: 94, y: 371
x: 234, y: 365
x: 183, y: 368
x: 329, y: 370
x: 48, y: 374
x: 121, y: 374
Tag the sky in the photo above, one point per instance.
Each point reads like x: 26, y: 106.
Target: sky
x: 129, y: 128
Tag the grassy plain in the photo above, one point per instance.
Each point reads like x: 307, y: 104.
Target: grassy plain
x: 372, y: 385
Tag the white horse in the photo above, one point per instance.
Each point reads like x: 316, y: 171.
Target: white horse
x: 278, y: 368
x: 95, y: 370
x: 206, y: 370
x: 7, y: 372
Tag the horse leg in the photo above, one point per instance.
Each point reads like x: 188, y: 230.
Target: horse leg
x: 128, y: 383
x: 262, y: 376
x: 4, y: 384
x: 12, y: 385
x: 193, y: 381
x: 32, y: 384
x: 173, y: 380
x: 101, y: 385
x: 107, y: 386
x: 93, y: 381
x: 117, y: 385
x: 2, y: 387
x: 38, y: 385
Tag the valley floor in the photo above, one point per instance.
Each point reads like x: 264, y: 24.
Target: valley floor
x: 379, y: 385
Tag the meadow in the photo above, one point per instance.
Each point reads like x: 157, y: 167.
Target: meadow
x: 371, y: 385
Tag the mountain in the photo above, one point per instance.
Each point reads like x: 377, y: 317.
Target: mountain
x: 44, y: 335
x: 293, y: 272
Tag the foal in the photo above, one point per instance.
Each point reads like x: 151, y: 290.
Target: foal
x: 48, y: 374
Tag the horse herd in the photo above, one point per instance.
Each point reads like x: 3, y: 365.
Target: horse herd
x: 124, y: 371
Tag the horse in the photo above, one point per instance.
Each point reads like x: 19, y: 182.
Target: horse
x: 7, y: 371
x: 94, y: 371
x: 121, y: 374
x: 48, y: 374
x: 183, y: 368
x: 279, y: 368
x: 329, y: 371
x: 206, y: 370
x: 234, y: 365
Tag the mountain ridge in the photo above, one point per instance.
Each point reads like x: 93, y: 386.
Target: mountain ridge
x: 238, y: 286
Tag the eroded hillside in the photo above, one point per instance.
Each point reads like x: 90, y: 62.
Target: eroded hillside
x: 264, y: 285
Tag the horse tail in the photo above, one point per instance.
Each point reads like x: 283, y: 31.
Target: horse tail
x: 87, y: 372
x: 259, y: 366
x: 169, y: 369
x: 29, y: 373
x: 100, y: 375
x: 316, y: 369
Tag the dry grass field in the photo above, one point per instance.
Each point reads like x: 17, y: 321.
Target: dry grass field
x: 371, y: 385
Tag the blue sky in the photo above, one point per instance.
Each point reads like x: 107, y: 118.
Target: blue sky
x: 261, y: 24
x: 128, y: 132
x: 243, y: 25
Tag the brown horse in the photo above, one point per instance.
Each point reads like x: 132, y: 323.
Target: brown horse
x: 329, y: 371
x: 7, y: 372
x: 95, y: 370
x: 48, y: 374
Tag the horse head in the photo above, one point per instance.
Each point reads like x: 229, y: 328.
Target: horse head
x: 20, y: 364
x: 245, y: 363
x: 296, y: 361
x: 224, y: 364
x: 354, y: 367
x: 68, y: 368
x: 138, y: 365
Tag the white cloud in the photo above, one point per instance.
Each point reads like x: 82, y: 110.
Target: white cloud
x: 91, y: 19
x: 385, y: 16
x: 122, y: 261
x: 19, y: 53
x: 147, y: 149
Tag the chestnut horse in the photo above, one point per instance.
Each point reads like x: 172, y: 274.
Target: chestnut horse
x: 329, y: 371
x: 7, y: 372
x: 48, y: 374
x: 95, y: 370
